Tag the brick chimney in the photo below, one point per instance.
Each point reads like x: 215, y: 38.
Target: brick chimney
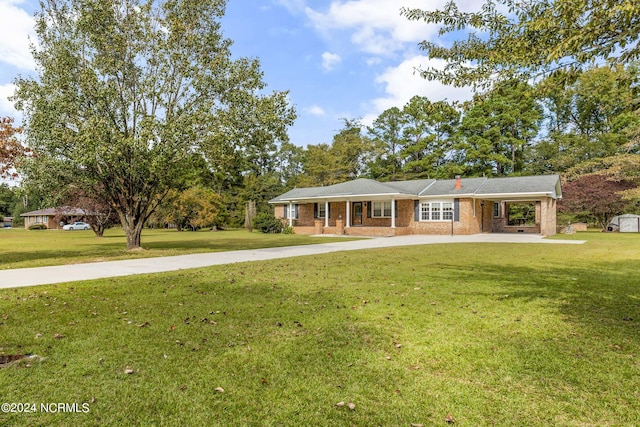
x: 458, y: 184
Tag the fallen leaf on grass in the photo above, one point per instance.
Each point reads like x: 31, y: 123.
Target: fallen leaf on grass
x: 417, y: 425
x: 219, y: 389
x: 128, y: 370
x: 144, y: 325
x: 449, y: 419
x: 58, y: 336
x: 351, y: 406
x: 339, y: 404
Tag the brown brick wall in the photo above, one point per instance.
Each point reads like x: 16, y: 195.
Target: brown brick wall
x: 47, y: 220
x: 548, y: 217
x: 467, y: 224
x: 482, y: 221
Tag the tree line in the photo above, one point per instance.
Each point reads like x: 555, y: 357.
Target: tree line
x: 583, y: 125
x: 141, y: 106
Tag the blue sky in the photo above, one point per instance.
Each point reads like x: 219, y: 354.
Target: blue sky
x: 338, y: 59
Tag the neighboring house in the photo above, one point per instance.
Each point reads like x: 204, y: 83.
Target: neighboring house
x: 53, y: 218
x: 365, y: 207
x: 7, y: 222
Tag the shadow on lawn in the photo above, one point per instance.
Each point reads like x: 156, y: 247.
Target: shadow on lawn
x: 603, y: 297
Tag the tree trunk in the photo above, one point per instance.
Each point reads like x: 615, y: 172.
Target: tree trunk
x: 249, y: 215
x: 98, y: 229
x: 132, y: 226
x: 133, y: 237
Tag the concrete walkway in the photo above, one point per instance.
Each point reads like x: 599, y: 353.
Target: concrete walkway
x: 97, y: 270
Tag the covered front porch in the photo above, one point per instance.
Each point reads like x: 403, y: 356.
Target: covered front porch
x: 354, y: 217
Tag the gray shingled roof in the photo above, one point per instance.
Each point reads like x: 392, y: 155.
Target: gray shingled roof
x: 357, y: 187
x: 522, y: 184
x: 64, y: 211
x: 411, y: 187
x: 490, y: 187
x: 447, y: 187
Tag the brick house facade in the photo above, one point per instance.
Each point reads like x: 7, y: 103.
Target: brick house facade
x: 365, y: 207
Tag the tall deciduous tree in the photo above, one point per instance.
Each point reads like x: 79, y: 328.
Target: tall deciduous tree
x: 511, y: 38
x: 127, y: 91
x: 344, y: 159
x: 593, y: 116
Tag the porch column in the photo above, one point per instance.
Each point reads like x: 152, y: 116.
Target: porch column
x: 348, y: 219
x: 290, y: 214
x: 326, y: 214
x: 393, y: 213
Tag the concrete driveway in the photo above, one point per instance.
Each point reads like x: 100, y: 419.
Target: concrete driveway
x: 97, y: 270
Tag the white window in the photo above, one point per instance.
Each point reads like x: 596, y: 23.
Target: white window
x: 436, y: 211
x: 322, y: 211
x: 447, y: 211
x: 496, y: 209
x: 295, y: 211
x: 381, y: 210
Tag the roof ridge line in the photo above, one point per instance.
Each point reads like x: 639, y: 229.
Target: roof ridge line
x: 480, y: 186
x: 427, y: 187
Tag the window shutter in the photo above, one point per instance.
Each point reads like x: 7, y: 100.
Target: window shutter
x: 369, y: 209
x: 315, y: 210
x: 416, y: 210
x: 295, y: 210
x: 286, y: 211
x: 395, y: 202
x: 328, y: 210
x: 456, y: 209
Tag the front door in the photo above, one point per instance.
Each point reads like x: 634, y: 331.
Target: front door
x: 357, y: 214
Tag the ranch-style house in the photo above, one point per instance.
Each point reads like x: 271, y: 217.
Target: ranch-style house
x: 365, y: 207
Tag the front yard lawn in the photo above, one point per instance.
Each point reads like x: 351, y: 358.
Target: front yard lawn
x: 37, y: 248
x: 480, y: 334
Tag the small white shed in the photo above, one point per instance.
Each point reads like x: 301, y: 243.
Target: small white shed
x: 627, y: 223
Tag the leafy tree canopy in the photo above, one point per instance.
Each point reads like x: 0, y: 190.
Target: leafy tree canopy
x: 512, y: 38
x: 10, y: 148
x: 129, y: 90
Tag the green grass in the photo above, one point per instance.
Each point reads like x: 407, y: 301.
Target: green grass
x: 494, y: 334
x: 21, y: 248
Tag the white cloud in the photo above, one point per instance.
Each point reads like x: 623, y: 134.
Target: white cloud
x: 6, y: 106
x: 15, y: 25
x: 293, y: 6
x: 374, y: 60
x: 376, y: 26
x: 315, y: 110
x: 402, y: 82
x: 330, y: 60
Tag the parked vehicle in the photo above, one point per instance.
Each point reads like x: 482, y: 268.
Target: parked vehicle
x: 77, y: 226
